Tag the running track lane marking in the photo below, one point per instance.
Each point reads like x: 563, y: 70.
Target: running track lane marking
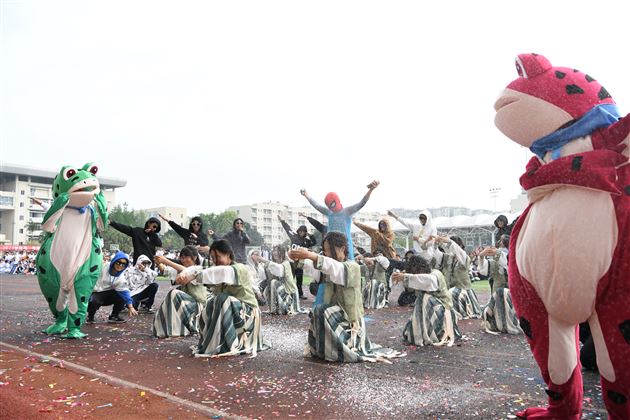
x: 117, y: 381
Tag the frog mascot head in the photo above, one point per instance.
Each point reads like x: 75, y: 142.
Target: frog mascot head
x: 70, y: 258
x: 569, y: 259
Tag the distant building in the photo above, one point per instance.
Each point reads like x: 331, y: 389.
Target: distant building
x: 442, y: 212
x: 17, y: 185
x: 177, y: 214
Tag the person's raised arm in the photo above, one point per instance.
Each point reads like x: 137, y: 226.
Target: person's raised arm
x: 286, y: 227
x: 482, y: 263
x: 358, y: 206
x: 160, y: 259
x: 321, y: 228
x: 218, y: 274
x: 459, y: 253
x: 127, y: 230
x: 273, y: 267
x: 365, y: 228
x: 424, y: 282
x: 180, y: 230
x: 322, y: 209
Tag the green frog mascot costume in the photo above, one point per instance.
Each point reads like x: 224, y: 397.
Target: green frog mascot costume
x: 70, y: 259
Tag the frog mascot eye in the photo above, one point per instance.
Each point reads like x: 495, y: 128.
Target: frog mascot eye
x: 70, y: 258
x: 69, y: 173
x: 91, y: 168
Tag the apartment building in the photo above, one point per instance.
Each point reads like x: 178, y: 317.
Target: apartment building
x: 18, y: 184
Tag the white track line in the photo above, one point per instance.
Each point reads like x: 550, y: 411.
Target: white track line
x: 117, y: 381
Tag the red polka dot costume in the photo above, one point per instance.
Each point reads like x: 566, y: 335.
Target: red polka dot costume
x: 569, y: 258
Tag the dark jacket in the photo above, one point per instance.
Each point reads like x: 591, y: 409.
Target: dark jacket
x: 305, y: 242
x: 238, y: 239
x: 186, y: 234
x: 505, y: 230
x: 143, y: 243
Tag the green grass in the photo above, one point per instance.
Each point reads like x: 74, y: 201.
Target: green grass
x: 481, y: 286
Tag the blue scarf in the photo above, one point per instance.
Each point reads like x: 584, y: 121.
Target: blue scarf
x: 82, y: 209
x: 600, y: 116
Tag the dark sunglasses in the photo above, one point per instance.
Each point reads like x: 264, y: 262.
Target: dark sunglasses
x: 120, y: 263
x: 196, y: 224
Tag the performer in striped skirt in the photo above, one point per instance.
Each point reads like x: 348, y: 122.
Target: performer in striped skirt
x: 433, y: 321
x: 178, y: 315
x: 375, y: 291
x: 498, y: 315
x: 337, y: 332
x: 454, y: 263
x: 281, y: 293
x: 231, y: 321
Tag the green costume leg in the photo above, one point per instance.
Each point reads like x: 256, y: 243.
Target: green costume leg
x: 83, y: 286
x: 49, y: 285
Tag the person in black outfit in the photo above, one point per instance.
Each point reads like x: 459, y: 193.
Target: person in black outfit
x: 237, y: 238
x: 194, y: 235
x: 503, y: 227
x: 145, y: 240
x: 303, y: 239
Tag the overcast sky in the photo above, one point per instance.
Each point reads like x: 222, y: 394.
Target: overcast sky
x: 206, y: 105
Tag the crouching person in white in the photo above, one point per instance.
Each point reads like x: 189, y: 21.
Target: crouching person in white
x: 231, y: 321
x: 337, y: 332
x: 433, y: 321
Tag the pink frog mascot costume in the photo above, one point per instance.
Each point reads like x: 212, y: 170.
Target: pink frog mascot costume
x: 569, y: 259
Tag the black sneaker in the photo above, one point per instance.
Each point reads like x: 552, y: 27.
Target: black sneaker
x: 90, y: 320
x: 116, y: 320
x: 146, y: 310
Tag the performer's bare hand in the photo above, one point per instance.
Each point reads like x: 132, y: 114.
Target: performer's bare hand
x: 373, y: 184
x: 397, y: 276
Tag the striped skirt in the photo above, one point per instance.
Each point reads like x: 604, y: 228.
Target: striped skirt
x: 431, y: 323
x: 465, y: 303
x: 177, y: 316
x: 499, y: 315
x: 332, y: 337
x: 280, y: 301
x: 228, y: 327
x: 374, y: 295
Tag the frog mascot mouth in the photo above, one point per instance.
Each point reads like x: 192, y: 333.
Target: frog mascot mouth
x: 70, y: 258
x: 83, y: 193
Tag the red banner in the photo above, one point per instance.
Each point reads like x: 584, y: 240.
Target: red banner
x: 19, y: 247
